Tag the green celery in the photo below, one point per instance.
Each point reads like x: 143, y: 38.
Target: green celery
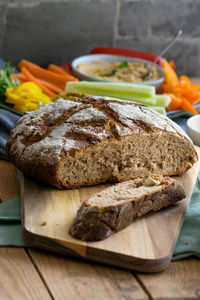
x: 162, y: 100
x: 159, y: 109
x: 146, y: 101
x: 119, y: 90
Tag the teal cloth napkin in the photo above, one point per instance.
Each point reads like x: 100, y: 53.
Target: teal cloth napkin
x: 189, y: 239
x: 188, y: 243
x: 10, y: 223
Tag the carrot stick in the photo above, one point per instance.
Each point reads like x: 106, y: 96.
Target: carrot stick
x: 26, y: 63
x: 22, y: 80
x: 38, y: 72
x: 183, y: 92
x: 56, y: 79
x: 186, y: 105
x: 175, y: 102
x: 50, y: 86
x: 56, y: 69
x: 15, y: 76
x: 171, y: 79
x: 30, y: 77
x: 172, y: 64
x: 20, y: 77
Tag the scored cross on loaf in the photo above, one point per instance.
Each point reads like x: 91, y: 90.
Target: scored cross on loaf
x: 92, y: 140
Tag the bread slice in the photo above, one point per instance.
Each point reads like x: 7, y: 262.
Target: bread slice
x: 114, y: 208
x: 92, y: 140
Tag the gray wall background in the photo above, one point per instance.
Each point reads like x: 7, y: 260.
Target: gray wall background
x: 60, y: 30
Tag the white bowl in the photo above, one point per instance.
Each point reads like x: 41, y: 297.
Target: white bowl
x: 193, y: 129
x: 107, y: 57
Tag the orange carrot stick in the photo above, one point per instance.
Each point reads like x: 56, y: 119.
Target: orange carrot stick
x: 171, y: 79
x: 56, y: 69
x: 22, y: 80
x: 49, y: 76
x: 172, y: 64
x: 56, y: 79
x: 186, y: 105
x: 50, y: 86
x: 26, y: 63
x: 20, y: 77
x: 175, y: 102
x: 30, y: 77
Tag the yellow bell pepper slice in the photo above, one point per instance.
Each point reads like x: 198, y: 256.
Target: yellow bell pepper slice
x: 20, y: 108
x: 32, y: 106
x: 29, y: 85
x: 27, y: 96
x: 16, y: 101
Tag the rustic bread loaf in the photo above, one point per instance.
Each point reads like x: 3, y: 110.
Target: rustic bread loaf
x: 114, y: 208
x: 91, y: 140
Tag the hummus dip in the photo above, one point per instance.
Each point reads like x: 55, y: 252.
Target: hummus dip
x: 119, y: 71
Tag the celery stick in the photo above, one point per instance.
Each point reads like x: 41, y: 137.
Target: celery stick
x: 138, y: 99
x: 146, y: 101
x: 111, y: 89
x: 162, y: 100
x: 159, y: 109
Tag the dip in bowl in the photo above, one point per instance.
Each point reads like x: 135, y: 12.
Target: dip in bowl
x: 115, y: 68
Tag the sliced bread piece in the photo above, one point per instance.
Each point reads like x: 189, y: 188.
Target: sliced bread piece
x: 114, y: 208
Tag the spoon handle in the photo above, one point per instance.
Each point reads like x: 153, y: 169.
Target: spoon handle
x: 168, y: 46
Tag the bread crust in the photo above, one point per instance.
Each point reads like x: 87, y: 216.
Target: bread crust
x: 94, y: 223
x: 43, y: 142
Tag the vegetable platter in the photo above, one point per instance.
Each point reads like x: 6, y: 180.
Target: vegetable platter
x: 34, y: 86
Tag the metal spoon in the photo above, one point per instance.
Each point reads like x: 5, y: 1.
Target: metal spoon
x: 149, y: 75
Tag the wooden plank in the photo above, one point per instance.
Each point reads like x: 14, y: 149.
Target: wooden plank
x: 180, y: 281
x: 71, y: 279
x: 46, y: 225
x: 9, y: 187
x: 16, y: 267
x: 18, y: 277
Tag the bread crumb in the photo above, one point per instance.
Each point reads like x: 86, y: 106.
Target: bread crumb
x: 151, y: 182
x: 43, y: 223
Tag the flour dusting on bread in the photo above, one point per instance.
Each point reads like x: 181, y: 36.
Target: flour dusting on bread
x: 92, y: 140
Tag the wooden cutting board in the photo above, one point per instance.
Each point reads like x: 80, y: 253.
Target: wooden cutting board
x: 146, y: 245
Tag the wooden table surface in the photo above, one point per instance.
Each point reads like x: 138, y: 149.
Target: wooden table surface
x: 35, y: 274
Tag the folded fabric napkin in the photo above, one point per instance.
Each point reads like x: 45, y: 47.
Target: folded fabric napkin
x: 189, y: 238
x: 7, y: 122
x: 10, y: 216
x: 10, y: 223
